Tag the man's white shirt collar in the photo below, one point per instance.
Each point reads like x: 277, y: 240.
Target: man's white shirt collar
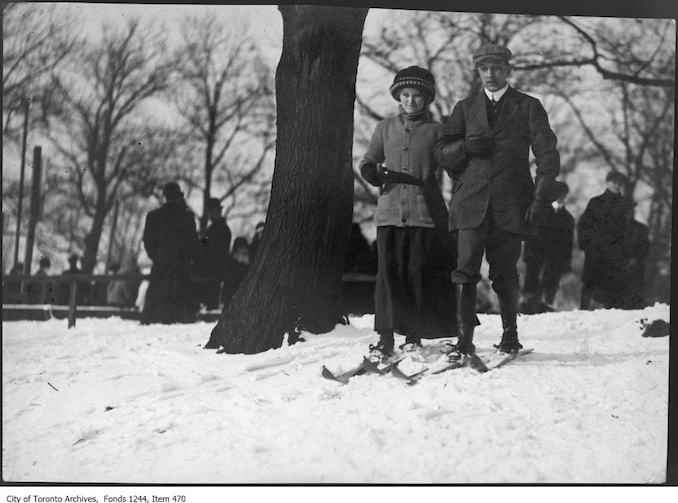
x: 496, y: 95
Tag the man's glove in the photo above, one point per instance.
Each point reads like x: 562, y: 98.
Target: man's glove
x: 478, y: 146
x: 537, y: 213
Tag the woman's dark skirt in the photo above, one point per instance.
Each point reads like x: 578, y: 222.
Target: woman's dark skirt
x: 413, y: 294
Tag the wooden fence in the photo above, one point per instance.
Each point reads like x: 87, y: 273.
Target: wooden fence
x: 356, y: 297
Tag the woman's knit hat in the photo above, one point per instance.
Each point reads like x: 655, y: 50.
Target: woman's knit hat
x: 416, y: 77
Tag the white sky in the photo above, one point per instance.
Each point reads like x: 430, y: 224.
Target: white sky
x: 264, y: 20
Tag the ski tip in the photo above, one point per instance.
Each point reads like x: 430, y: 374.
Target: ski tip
x: 327, y: 373
x: 409, y: 379
x: 478, y: 364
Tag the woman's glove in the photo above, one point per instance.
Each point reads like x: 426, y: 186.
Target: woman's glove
x: 371, y: 174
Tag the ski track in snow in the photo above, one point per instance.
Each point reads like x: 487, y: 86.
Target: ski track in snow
x: 112, y: 401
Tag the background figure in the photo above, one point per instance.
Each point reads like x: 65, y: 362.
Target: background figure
x: 171, y: 242
x: 211, y: 263
x: 547, y: 256
x: 64, y: 288
x: 637, y: 246
x: 236, y: 268
x: 41, y: 292
x: 359, y: 256
x: 123, y: 292
x: 256, y: 239
x: 601, y: 231
x: 11, y: 290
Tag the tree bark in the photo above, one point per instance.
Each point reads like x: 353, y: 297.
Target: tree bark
x: 294, y: 280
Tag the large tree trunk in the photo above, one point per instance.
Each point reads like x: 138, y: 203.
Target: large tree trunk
x: 296, y: 275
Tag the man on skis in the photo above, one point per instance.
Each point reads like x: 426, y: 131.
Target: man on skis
x: 495, y: 202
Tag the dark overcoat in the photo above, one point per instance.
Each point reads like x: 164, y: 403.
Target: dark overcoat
x: 214, y: 249
x: 171, y: 242
x: 553, y: 245
x: 638, y: 245
x: 601, y: 234
x: 502, y: 180
x: 170, y: 237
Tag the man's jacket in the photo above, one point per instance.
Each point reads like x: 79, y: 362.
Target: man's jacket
x: 501, y: 180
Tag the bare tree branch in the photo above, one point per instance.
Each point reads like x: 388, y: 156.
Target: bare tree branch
x: 594, y: 61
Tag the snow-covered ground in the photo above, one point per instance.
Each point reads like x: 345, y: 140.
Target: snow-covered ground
x: 114, y: 402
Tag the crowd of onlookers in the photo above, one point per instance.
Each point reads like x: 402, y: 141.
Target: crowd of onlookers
x: 615, y: 244
x: 201, y: 270
x: 210, y: 271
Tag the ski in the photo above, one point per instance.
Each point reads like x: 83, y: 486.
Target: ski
x: 365, y: 367
x: 343, y: 378
x: 508, y: 358
x: 451, y: 366
x: 417, y: 376
x: 369, y: 367
x: 476, y: 363
x: 409, y: 379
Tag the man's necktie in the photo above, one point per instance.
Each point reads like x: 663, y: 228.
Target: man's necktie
x: 494, y: 111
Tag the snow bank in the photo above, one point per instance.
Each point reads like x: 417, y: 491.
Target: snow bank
x: 111, y: 401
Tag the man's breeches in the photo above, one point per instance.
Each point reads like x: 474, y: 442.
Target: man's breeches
x: 502, y: 249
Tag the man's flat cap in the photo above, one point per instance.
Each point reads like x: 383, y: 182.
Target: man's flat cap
x: 491, y: 51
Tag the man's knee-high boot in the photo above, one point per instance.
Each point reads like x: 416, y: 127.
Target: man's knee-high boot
x: 466, y: 316
x: 508, y: 306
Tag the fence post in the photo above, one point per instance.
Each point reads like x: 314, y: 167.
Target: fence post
x: 26, y: 105
x: 36, y: 181
x: 72, y: 306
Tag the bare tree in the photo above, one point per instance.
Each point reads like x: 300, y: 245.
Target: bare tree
x: 294, y: 280
x: 637, y: 140
x: 35, y: 42
x: 226, y: 99
x: 100, y: 133
x: 636, y: 51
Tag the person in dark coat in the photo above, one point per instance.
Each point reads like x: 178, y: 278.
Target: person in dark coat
x: 409, y: 297
x: 64, y: 288
x: 11, y: 289
x: 601, y: 233
x: 547, y: 256
x: 42, y: 292
x: 215, y: 244
x: 637, y: 245
x: 495, y: 202
x: 171, y: 242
